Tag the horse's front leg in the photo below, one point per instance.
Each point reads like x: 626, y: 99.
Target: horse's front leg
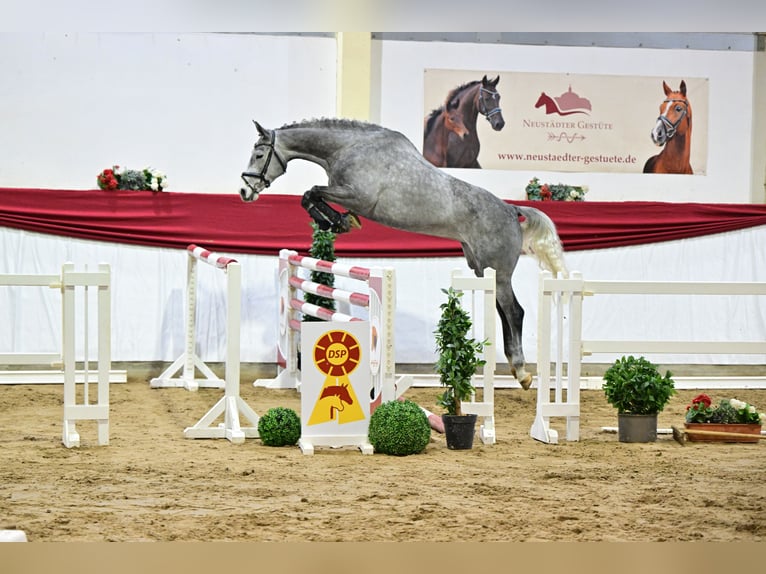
x: 327, y: 218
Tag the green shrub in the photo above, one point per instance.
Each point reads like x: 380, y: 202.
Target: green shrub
x: 280, y: 426
x: 399, y: 428
x: 635, y: 386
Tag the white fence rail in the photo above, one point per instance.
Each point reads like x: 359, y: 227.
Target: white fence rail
x: 559, y: 297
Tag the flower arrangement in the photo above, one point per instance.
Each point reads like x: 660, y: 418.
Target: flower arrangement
x: 728, y: 411
x: 558, y: 192
x: 120, y: 178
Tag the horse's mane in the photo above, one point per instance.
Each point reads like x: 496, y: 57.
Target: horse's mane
x: 460, y: 88
x: 432, y: 118
x: 333, y: 123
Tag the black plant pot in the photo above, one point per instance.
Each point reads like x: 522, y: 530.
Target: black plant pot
x: 459, y: 431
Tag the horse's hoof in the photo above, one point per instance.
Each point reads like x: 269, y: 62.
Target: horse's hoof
x: 346, y: 223
x: 353, y: 220
x: 526, y: 382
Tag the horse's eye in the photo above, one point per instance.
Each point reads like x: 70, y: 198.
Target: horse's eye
x: 679, y: 108
x: 259, y: 155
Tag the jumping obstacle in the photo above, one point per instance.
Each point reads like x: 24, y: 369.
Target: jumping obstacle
x: 231, y: 405
x: 559, y: 293
x: 67, y: 283
x: 379, y: 300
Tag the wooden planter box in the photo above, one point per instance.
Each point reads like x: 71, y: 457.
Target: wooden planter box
x: 753, y: 429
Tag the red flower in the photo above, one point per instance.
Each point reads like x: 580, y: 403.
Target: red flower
x: 545, y: 193
x: 704, y: 399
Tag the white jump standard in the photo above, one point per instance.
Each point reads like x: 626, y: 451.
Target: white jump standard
x: 67, y: 283
x: 231, y: 404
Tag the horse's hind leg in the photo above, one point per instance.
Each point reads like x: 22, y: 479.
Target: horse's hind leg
x: 512, y: 319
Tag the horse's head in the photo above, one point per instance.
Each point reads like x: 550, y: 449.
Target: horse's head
x: 675, y: 115
x: 261, y: 170
x: 489, y: 103
x: 542, y: 100
x: 453, y: 118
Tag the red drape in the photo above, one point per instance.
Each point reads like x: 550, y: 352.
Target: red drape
x: 274, y: 222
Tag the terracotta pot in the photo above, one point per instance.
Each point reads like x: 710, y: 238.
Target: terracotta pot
x: 753, y: 429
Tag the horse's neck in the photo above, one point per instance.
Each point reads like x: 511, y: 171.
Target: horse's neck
x: 677, y: 150
x: 469, y: 106
x: 550, y: 105
x: 311, y: 144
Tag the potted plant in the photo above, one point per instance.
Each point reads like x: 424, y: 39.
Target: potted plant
x: 729, y: 416
x: 458, y: 358
x: 639, y: 392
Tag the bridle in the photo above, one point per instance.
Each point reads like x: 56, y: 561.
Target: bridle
x: 261, y: 176
x: 671, y: 127
x: 482, y: 108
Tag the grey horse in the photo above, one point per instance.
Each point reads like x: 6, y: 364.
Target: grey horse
x: 379, y: 174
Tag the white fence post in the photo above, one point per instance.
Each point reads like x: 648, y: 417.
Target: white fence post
x: 85, y: 410
x: 486, y: 407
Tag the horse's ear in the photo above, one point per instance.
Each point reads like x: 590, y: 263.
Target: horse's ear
x: 682, y: 88
x: 484, y: 80
x: 495, y: 81
x: 261, y: 131
x: 666, y: 88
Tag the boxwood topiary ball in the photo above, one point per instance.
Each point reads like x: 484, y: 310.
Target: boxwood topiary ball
x: 399, y: 428
x: 280, y: 426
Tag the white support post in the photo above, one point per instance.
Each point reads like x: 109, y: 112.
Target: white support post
x: 550, y: 294
x: 288, y: 374
x: 231, y: 405
x: 85, y: 411
x: 486, y: 407
x: 383, y: 284
x: 189, y: 361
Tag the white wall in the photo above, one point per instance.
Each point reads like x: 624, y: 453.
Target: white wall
x: 74, y: 104
x: 730, y: 125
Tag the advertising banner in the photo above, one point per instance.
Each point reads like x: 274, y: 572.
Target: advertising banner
x: 565, y: 122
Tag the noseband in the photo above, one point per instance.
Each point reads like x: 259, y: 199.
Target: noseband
x: 261, y: 176
x: 482, y: 107
x: 671, y: 127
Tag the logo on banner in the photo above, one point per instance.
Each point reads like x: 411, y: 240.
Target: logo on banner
x: 566, y: 104
x: 336, y: 355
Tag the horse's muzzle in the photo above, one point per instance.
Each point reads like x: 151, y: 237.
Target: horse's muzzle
x: 248, y: 194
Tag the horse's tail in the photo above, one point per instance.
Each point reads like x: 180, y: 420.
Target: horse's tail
x: 540, y: 238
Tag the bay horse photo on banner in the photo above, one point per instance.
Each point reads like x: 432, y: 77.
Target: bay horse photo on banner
x: 450, y: 138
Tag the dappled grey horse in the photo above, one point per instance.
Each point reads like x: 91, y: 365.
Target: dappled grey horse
x: 379, y: 174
